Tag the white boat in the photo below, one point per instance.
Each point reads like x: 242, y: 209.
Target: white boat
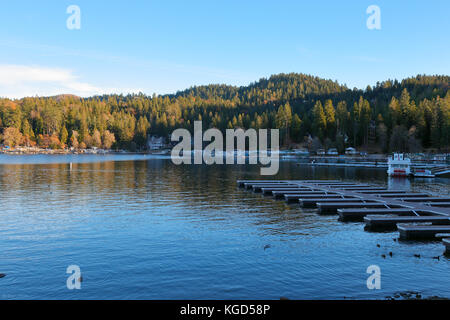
x: 399, y: 166
x: 161, y: 152
x: 332, y: 152
x: 301, y: 152
x: 423, y: 173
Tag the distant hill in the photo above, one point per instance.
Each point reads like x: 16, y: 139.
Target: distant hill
x: 282, y: 86
x: 405, y: 115
x: 65, y: 96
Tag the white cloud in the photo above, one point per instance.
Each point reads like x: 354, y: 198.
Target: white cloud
x: 17, y: 81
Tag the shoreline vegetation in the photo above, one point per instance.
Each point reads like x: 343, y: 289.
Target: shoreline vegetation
x: 412, y: 115
x: 46, y: 151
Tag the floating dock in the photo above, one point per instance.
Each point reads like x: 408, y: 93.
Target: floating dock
x: 312, y: 197
x: 390, y: 222
x: 331, y: 207
x: 414, y: 215
x: 440, y: 171
x: 268, y: 191
x: 420, y: 231
x: 360, y: 214
x: 436, y: 170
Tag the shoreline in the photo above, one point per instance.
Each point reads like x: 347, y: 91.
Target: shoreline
x: 369, y: 160
x: 39, y: 151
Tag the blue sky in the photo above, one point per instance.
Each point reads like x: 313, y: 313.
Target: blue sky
x: 164, y: 46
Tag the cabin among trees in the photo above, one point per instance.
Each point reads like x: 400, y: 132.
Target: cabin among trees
x: 155, y: 142
x: 407, y: 115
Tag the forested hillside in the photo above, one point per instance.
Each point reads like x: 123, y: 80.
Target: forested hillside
x: 394, y: 116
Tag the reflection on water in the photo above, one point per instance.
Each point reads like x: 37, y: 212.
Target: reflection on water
x: 140, y: 227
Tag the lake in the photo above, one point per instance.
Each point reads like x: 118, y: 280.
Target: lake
x: 140, y: 227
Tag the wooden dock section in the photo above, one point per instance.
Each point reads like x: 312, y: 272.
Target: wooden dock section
x: 378, y: 207
x: 314, y: 196
x: 390, y: 222
x: 441, y: 171
x: 439, y: 204
x: 402, y: 195
x: 359, y: 214
x: 362, y: 188
x: 268, y: 191
x: 420, y: 231
x: 332, y: 206
x: 284, y: 194
x: 426, y: 199
x: 383, y: 191
x: 258, y: 187
x: 241, y: 183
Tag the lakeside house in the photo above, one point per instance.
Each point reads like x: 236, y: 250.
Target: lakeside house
x: 301, y: 152
x: 441, y: 157
x: 155, y: 142
x: 320, y: 152
x: 332, y: 152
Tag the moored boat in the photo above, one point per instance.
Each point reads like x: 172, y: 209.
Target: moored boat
x: 423, y: 173
x: 399, y: 166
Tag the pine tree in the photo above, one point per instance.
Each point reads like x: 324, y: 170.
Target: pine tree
x: 320, y: 120
x: 330, y: 118
x: 63, y: 135
x: 341, y: 116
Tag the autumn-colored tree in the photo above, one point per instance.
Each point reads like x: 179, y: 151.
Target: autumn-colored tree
x: 87, y: 140
x: 49, y: 141
x: 96, y: 139
x: 108, y: 139
x: 74, y: 139
x: 395, y: 112
x: 12, y: 137
x: 141, y: 130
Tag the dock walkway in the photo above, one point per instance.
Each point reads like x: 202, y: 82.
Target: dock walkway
x: 378, y: 207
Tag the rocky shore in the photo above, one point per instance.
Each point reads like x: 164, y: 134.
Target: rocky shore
x: 36, y: 150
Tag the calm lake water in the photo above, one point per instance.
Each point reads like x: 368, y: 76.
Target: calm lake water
x: 141, y: 227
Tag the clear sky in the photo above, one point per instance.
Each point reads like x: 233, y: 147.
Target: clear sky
x: 164, y: 46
